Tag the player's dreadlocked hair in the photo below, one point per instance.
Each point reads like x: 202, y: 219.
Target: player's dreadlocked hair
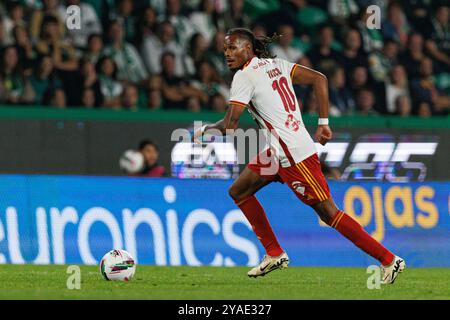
x: 259, y: 43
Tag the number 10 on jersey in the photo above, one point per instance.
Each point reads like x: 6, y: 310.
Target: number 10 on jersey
x: 287, y: 96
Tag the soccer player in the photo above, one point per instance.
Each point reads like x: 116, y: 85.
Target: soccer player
x: 264, y: 85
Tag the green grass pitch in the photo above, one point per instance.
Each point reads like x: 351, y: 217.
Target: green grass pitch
x: 213, y: 283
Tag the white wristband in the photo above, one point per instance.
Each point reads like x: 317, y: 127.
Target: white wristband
x: 323, y: 121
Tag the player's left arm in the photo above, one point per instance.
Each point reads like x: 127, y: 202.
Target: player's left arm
x: 305, y: 76
x: 230, y: 121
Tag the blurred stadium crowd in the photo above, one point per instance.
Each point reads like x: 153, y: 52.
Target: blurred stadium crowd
x: 168, y: 54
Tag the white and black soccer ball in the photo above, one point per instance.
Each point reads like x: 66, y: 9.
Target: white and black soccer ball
x: 132, y: 161
x: 117, y: 265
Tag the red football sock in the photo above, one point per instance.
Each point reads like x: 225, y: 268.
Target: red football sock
x: 255, y: 214
x: 353, y: 231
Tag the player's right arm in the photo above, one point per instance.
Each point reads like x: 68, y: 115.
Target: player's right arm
x: 305, y: 76
x: 240, y: 95
x: 230, y: 121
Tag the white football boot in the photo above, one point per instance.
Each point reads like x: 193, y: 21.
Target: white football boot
x: 269, y: 264
x: 389, y: 273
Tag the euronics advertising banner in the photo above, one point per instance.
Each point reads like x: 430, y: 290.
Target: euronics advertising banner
x: 76, y: 220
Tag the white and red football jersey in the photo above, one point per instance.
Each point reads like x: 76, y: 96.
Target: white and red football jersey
x: 265, y: 87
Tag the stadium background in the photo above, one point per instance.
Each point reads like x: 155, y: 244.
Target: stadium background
x: 66, y: 117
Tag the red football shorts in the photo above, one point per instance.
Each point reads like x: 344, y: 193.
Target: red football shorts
x: 305, y: 178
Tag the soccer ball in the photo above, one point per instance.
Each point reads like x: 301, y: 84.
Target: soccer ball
x: 132, y: 161
x: 117, y: 265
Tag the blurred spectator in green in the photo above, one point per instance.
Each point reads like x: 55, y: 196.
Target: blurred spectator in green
x: 341, y: 99
x: 396, y: 86
x: 88, y: 99
x: 150, y: 151
x: 49, y: 8
x: 259, y: 29
x: 130, y: 98
x: 297, y: 13
x: 323, y: 50
x: 216, y: 56
x: 283, y: 49
x: 184, y: 28
x: 154, y: 46
x: 159, y: 6
x: 14, y: 87
x: 403, y: 106
x: 55, y: 97
x: 15, y: 17
x: 204, y: 20
x: 110, y: 88
x: 352, y: 55
x: 208, y: 82
x: 438, y: 37
x: 235, y: 17
x: 155, y: 99
x: 359, y: 78
x: 381, y: 62
x: 25, y: 49
x: 418, y: 12
x: 423, y: 89
x: 365, y: 103
x: 218, y: 103
x: 90, y: 80
x: 177, y: 92
x: 396, y: 26
x: 94, y: 48
x: 341, y: 10
x: 196, y: 53
x: 52, y: 43
x: 413, y: 55
x: 147, y: 24
x: 129, y: 63
x: 424, y: 110
x: 43, y: 78
x: 123, y: 13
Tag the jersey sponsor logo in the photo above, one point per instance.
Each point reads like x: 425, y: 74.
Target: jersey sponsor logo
x: 261, y: 63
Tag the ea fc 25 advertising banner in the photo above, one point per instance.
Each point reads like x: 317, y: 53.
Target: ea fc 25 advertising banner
x: 76, y: 220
